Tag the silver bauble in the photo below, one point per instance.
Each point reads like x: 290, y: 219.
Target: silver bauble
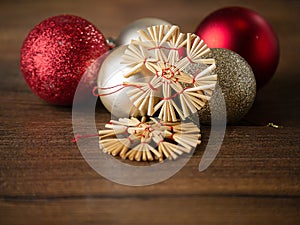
x: 111, y: 76
x: 130, y: 32
x: 236, y: 82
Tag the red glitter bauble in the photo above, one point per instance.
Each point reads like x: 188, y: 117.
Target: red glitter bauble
x: 248, y: 34
x: 56, y: 53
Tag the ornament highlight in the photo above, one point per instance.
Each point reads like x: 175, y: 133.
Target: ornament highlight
x: 246, y: 33
x: 130, y: 32
x: 56, y: 53
x: 236, y: 82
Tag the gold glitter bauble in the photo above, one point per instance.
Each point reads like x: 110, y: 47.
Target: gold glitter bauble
x: 236, y: 82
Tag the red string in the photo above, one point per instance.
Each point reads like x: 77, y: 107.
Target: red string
x: 118, y: 85
x: 145, y: 60
x: 154, y: 48
x: 107, y: 88
x: 173, y: 96
x: 151, y: 86
x: 160, y: 141
x: 130, y: 140
x: 193, y: 81
x: 162, y: 47
x: 170, y: 71
x: 77, y: 136
x: 96, y: 88
x: 172, y: 136
x: 110, y: 93
x: 189, y: 59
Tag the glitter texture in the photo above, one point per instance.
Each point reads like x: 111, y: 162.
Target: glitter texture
x: 56, y: 53
x: 237, y: 83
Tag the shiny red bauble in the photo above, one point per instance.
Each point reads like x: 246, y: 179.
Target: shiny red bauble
x: 246, y: 33
x: 56, y: 53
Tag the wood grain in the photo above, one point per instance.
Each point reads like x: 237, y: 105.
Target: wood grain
x: 175, y: 210
x: 44, y: 179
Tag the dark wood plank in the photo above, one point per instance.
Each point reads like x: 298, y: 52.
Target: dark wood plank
x: 42, y: 160
x: 149, y: 210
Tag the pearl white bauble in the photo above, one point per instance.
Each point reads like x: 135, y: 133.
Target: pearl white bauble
x: 130, y: 32
x: 111, y: 74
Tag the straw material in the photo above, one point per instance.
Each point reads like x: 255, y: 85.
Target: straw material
x: 166, y: 52
x: 148, y: 139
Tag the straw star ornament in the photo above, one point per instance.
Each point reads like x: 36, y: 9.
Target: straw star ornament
x: 166, y: 52
x: 148, y: 140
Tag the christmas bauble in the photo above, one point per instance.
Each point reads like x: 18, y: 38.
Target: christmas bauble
x: 130, y: 32
x: 236, y: 82
x: 56, y: 53
x: 246, y: 33
x: 110, y: 80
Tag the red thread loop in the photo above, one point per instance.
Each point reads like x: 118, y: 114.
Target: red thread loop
x: 145, y: 60
x: 130, y: 140
x: 160, y: 141
x: 122, y: 86
x: 189, y: 59
x: 108, y: 88
x: 151, y: 86
x: 168, y: 73
x: 162, y: 47
x: 77, y: 136
x: 126, y: 131
x: 172, y: 136
x: 154, y: 48
x: 174, y: 95
x: 193, y: 81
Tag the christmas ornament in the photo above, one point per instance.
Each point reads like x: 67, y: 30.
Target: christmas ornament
x: 246, y: 33
x: 165, y: 53
x: 237, y: 83
x: 56, y: 53
x: 111, y: 76
x: 130, y: 32
x: 147, y: 140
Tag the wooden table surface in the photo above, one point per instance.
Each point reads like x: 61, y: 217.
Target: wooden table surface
x: 45, y: 180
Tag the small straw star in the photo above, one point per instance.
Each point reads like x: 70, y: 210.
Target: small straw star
x: 148, y: 139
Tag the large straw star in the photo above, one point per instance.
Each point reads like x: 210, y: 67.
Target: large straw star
x: 166, y: 52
